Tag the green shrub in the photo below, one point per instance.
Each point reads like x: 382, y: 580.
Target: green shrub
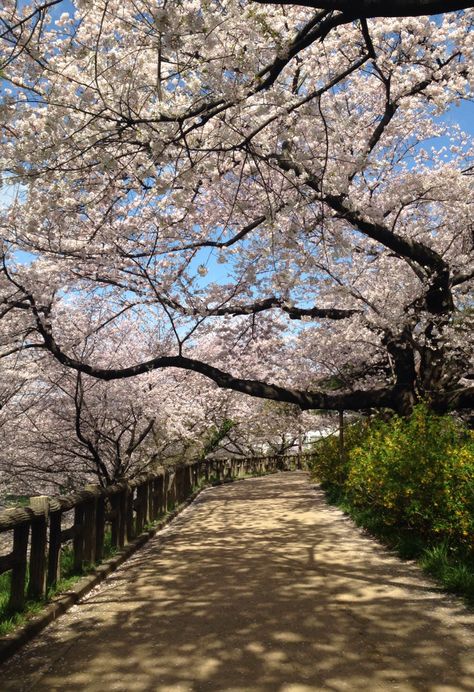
x: 410, y: 482
x: 326, y: 463
x: 418, y: 473
x: 414, y: 473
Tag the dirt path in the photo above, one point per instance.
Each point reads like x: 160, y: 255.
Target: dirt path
x: 257, y: 586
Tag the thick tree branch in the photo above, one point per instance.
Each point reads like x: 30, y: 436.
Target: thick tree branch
x: 378, y: 8
x: 354, y: 400
x: 294, y: 312
x: 323, y: 24
x: 410, y: 249
x: 378, y: 397
x: 462, y: 398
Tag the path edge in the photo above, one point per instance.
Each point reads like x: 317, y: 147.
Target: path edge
x: 11, y: 643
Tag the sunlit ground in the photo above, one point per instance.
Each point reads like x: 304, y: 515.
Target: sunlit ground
x: 257, y: 586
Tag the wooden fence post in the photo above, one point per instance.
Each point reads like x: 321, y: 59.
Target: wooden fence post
x: 129, y: 511
x: 122, y: 516
x: 98, y: 532
x: 99, y: 527
x: 54, y: 568
x: 155, y: 498
x: 78, y: 540
x: 178, y: 485
x: 189, y: 472
x: 166, y: 492
x: 146, y: 503
x: 196, y: 475
x: 161, y: 494
x: 20, y: 549
x: 175, y: 488
x: 151, y: 501
x: 113, y: 520
x: 39, y: 529
x: 186, y: 482
x: 171, y: 494
x: 141, y: 508
x: 89, y: 535
x: 90, y: 527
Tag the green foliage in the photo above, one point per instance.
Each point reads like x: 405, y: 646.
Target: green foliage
x: 409, y: 481
x: 417, y: 472
x: 16, y: 500
x: 5, y: 581
x: 8, y: 619
x: 326, y: 463
x: 215, y: 436
x: 455, y: 572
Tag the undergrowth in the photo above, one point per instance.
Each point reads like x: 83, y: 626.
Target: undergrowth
x: 410, y: 483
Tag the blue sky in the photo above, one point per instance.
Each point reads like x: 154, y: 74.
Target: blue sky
x: 463, y: 115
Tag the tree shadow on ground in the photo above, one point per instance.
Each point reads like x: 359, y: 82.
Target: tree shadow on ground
x: 258, y: 586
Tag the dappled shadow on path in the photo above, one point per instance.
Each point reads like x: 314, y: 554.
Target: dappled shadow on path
x: 258, y: 586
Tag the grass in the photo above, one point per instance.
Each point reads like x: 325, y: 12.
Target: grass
x: 451, y: 566
x: 455, y: 572
x: 9, y: 620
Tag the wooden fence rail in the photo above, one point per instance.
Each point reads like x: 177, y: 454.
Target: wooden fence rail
x: 127, y: 508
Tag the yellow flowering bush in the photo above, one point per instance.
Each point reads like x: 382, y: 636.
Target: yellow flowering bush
x: 326, y: 464
x: 416, y: 473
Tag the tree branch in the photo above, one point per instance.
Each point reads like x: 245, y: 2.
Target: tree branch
x: 378, y: 8
x: 294, y: 313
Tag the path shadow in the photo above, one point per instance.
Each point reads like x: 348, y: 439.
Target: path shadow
x: 257, y: 587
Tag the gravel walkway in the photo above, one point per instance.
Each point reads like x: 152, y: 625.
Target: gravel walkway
x: 257, y: 586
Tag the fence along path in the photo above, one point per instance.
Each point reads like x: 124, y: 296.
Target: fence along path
x: 127, y: 507
x: 257, y: 586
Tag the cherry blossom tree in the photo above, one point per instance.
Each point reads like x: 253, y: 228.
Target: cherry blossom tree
x: 61, y: 429
x: 265, y: 427
x: 268, y: 187
x: 64, y: 429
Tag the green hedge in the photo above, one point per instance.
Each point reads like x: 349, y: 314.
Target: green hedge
x: 415, y: 473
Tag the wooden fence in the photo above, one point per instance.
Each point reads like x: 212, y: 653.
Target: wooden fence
x: 125, y: 508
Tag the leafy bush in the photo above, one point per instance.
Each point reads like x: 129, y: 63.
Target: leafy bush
x: 414, y: 473
x: 326, y: 463
x: 417, y: 472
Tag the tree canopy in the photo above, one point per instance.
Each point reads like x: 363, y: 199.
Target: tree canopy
x: 263, y: 193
